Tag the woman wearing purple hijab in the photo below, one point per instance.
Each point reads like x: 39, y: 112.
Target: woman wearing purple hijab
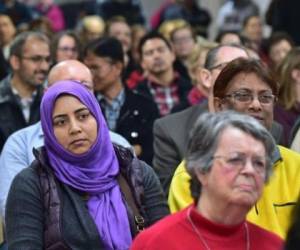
x: 71, y: 197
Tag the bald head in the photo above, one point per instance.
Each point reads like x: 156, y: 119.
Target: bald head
x: 71, y: 70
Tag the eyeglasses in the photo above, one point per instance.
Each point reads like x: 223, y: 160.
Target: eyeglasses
x: 219, y: 66
x: 37, y: 59
x: 238, y: 161
x: 248, y: 97
x: 67, y: 49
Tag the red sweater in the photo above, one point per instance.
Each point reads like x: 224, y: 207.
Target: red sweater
x: 176, y: 232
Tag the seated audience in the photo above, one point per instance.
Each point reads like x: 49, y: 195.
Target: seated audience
x: 184, y: 43
x: 81, y: 192
x: 171, y: 132
x: 22, y: 89
x: 228, y: 37
x: 287, y: 109
x: 90, y: 28
x: 278, y: 46
x: 253, y: 31
x: 53, y: 12
x: 65, y: 46
x: 118, y: 28
x: 162, y: 83
x: 7, y: 34
x: 130, y: 9
x: 246, y: 86
x: 228, y: 157
x: 190, y: 11
x: 17, y: 152
x: 127, y: 112
x: 233, y: 13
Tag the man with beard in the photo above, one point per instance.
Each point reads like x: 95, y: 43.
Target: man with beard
x: 162, y: 84
x: 21, y: 91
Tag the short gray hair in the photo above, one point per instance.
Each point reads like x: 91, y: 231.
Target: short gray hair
x: 16, y: 48
x: 205, y: 135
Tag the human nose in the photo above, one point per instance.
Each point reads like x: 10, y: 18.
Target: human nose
x: 74, y: 127
x: 44, y: 65
x: 248, y: 166
x: 255, y: 103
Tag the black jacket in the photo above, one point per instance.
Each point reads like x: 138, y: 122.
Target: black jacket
x: 136, y: 120
x: 12, y: 118
x: 26, y: 213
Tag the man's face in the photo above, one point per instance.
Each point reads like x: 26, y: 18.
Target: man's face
x: 157, y: 57
x: 33, y: 65
x: 245, y: 84
x: 183, y: 42
x: 7, y: 30
x: 122, y: 32
x: 105, y: 72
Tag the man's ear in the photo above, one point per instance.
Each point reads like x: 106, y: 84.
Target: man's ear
x: 205, y: 77
x: 14, y: 62
x: 218, y: 104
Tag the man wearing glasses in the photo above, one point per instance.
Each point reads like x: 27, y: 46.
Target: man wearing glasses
x: 171, y: 132
x: 21, y: 91
x: 246, y: 86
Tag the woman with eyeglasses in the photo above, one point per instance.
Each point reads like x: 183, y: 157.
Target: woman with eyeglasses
x: 65, y: 45
x: 228, y: 157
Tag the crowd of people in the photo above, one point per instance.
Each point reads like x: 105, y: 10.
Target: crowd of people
x: 119, y: 134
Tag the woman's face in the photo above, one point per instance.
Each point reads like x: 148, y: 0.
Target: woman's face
x: 279, y: 51
x: 75, y: 128
x: 238, y: 171
x: 253, y: 29
x: 66, y: 49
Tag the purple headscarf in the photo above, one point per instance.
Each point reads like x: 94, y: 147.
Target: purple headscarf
x: 93, y: 172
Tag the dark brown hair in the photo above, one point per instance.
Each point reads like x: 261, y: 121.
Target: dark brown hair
x: 243, y: 65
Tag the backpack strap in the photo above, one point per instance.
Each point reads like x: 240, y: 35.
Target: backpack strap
x: 138, y: 218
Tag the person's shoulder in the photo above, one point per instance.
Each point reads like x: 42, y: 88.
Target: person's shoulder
x: 139, y: 97
x: 32, y: 129
x: 269, y: 239
x: 288, y: 154
x: 184, y: 114
x: 167, y: 225
x: 27, y: 175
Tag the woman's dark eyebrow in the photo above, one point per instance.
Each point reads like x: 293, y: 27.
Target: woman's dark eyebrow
x: 64, y: 115
x: 81, y: 109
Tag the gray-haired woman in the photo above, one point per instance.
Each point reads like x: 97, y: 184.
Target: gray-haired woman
x: 228, y: 157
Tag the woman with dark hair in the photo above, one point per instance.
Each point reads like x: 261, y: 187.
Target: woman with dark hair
x: 82, y: 192
x: 278, y: 46
x: 65, y: 46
